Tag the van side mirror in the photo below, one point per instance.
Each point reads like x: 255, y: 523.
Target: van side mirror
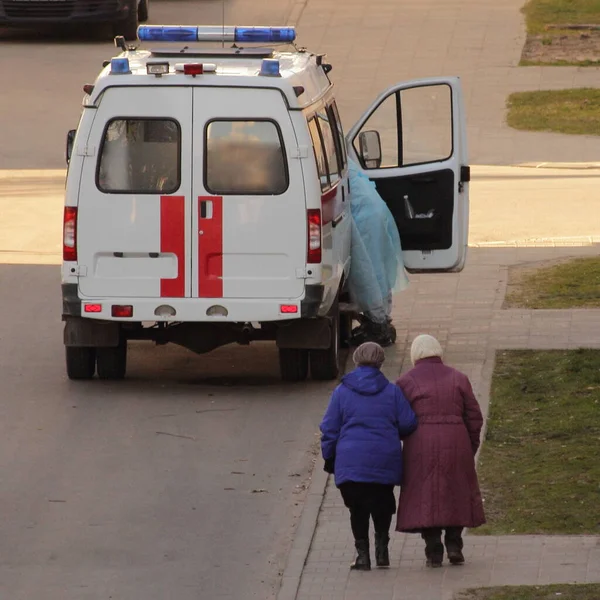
x: 70, y: 140
x: 369, y: 147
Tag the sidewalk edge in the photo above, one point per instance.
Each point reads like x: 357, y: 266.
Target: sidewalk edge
x: 558, y: 165
x: 303, y: 536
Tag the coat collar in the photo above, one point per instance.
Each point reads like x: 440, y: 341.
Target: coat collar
x: 429, y: 359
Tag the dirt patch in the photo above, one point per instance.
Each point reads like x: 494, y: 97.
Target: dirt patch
x: 565, y: 48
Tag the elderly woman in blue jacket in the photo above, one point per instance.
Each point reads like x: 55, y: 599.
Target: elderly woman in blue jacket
x: 361, y: 444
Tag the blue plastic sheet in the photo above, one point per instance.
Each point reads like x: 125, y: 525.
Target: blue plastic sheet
x: 376, y: 269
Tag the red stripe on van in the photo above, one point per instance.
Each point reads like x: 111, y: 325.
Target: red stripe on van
x: 172, y: 240
x: 210, y: 247
x: 328, y: 205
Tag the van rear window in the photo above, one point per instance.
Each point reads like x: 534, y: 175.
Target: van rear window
x: 245, y: 158
x: 140, y: 156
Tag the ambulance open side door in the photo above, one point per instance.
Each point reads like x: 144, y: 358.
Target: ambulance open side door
x: 412, y: 144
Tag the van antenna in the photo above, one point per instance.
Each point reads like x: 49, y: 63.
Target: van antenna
x: 223, y: 22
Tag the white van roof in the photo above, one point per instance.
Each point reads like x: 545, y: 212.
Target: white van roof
x: 302, y: 78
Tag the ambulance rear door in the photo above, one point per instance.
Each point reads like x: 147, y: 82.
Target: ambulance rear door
x: 249, y: 211
x: 412, y: 143
x: 135, y: 196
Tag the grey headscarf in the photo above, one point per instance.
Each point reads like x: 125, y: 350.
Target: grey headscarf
x: 369, y: 354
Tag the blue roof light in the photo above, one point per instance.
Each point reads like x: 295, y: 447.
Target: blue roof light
x: 270, y: 68
x: 119, y: 65
x: 265, y: 35
x: 216, y: 33
x: 170, y: 33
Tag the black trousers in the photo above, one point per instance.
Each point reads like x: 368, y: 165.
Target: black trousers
x: 368, y: 501
x: 433, y: 540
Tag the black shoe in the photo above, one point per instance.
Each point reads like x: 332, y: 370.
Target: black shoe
x: 434, y: 552
x: 434, y: 563
x: 456, y: 557
x: 363, y: 560
x: 382, y: 555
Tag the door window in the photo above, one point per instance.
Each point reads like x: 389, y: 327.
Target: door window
x: 245, y: 158
x: 330, y: 148
x: 414, y: 127
x: 140, y: 156
x: 322, y: 168
x: 336, y: 123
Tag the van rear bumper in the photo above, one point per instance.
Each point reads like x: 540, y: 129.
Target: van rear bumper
x: 238, y: 310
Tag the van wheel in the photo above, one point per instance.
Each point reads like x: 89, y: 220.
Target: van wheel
x: 81, y: 362
x: 112, y: 362
x: 325, y: 364
x: 143, y: 11
x: 293, y: 364
x: 345, y: 330
x: 128, y: 26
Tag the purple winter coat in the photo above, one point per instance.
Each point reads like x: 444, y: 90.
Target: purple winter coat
x: 440, y: 487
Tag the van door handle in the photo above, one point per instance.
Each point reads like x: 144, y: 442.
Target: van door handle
x: 338, y: 220
x: 206, y: 209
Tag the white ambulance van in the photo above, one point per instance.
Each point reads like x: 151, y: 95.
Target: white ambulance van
x: 207, y: 197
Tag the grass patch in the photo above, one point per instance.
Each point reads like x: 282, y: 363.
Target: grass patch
x: 575, y: 111
x: 589, y: 591
x: 571, y: 284
x: 539, y: 13
x: 557, y: 45
x: 539, y: 468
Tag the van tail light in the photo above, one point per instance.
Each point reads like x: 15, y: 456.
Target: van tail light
x: 314, y: 236
x: 121, y: 311
x: 70, y: 234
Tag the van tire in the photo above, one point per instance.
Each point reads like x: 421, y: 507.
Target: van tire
x: 112, y: 362
x: 81, y: 362
x: 293, y: 364
x: 127, y: 27
x: 325, y: 364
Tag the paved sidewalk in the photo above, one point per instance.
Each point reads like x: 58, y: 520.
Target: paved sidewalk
x: 464, y: 311
x: 375, y: 44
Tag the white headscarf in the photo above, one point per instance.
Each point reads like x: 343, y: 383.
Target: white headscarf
x: 425, y: 346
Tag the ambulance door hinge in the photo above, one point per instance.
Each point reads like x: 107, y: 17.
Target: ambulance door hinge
x: 304, y: 273
x: 86, y: 150
x: 78, y: 270
x: 299, y: 152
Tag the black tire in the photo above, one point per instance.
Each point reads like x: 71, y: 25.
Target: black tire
x: 112, y: 362
x: 81, y: 362
x: 345, y: 330
x: 143, y: 11
x: 325, y: 364
x: 293, y: 364
x: 128, y: 26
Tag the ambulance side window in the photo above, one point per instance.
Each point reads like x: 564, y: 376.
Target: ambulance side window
x: 140, y: 156
x: 336, y: 124
x: 245, y: 158
x: 319, y: 153
x: 329, y: 147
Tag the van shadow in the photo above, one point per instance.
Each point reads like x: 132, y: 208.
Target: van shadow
x: 31, y: 348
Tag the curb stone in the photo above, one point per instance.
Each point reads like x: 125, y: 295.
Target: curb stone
x: 303, y: 536
x: 559, y: 165
x: 32, y: 174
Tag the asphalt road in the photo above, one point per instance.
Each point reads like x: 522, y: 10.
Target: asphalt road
x: 186, y: 480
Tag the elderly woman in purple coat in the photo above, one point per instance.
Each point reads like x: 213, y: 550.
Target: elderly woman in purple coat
x: 440, y: 492
x: 361, y: 443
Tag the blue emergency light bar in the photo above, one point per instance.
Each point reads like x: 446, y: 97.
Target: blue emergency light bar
x: 215, y: 33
